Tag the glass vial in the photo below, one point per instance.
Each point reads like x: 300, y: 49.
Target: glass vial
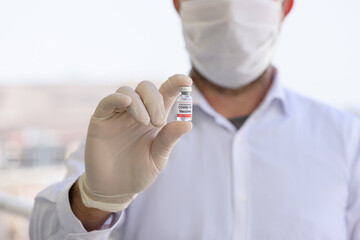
x: 184, y: 105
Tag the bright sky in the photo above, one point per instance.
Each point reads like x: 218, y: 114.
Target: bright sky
x: 114, y: 41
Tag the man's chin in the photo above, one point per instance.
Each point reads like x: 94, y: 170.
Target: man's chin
x: 202, y: 82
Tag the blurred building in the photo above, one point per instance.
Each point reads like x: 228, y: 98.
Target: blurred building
x: 41, y: 125
x: 30, y: 147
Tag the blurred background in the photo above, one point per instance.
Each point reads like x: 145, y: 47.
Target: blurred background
x: 59, y: 58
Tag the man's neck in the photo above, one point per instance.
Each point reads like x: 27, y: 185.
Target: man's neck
x: 232, y: 103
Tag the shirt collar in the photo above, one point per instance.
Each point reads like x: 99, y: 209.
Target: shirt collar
x: 200, y: 101
x: 276, y: 93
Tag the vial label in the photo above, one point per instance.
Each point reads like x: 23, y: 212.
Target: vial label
x: 184, y: 112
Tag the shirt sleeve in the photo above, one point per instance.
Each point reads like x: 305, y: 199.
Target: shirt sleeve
x: 75, y: 163
x: 52, y: 217
x: 353, y: 152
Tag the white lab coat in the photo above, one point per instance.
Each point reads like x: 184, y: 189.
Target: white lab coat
x: 292, y: 172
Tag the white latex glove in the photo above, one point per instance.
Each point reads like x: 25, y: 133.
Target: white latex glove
x: 127, y: 143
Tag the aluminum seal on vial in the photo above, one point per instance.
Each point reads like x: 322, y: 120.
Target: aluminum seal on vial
x: 184, y: 105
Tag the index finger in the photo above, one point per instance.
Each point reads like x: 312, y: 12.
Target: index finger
x: 170, y: 89
x: 114, y: 102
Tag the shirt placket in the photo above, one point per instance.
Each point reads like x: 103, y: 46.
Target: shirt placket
x: 240, y: 173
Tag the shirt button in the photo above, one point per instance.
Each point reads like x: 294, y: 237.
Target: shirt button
x: 242, y: 197
x: 240, y: 141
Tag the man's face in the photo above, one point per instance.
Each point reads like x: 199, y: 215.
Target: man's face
x: 231, y: 42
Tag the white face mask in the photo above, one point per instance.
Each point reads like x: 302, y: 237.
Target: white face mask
x: 231, y: 42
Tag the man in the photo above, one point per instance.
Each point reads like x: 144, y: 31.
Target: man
x: 260, y: 162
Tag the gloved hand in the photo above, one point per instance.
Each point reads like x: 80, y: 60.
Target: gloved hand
x: 127, y: 143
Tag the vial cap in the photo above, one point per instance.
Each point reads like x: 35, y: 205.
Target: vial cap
x: 185, y: 89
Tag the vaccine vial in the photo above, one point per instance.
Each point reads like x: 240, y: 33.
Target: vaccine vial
x: 184, y: 105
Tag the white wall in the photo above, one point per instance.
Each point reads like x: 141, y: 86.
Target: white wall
x: 319, y: 51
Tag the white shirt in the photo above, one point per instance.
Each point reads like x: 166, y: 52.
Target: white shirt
x: 292, y: 172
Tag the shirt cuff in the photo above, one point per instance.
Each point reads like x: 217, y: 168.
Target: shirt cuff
x: 72, y: 226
